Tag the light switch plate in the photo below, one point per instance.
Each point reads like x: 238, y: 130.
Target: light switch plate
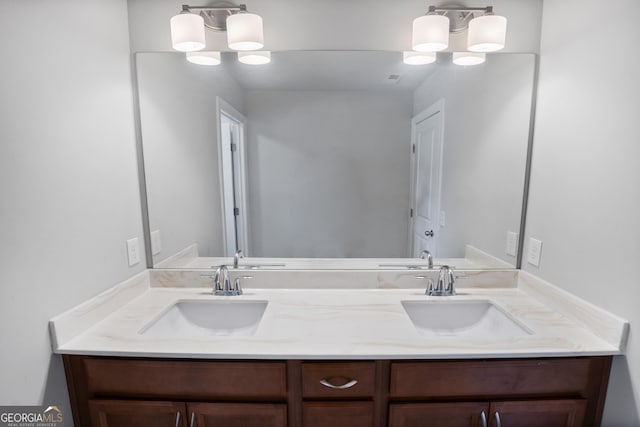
x: 133, y: 251
x: 156, y: 242
x: 533, y: 255
x: 512, y: 243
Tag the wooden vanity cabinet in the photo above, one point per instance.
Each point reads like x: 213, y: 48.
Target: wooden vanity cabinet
x: 549, y: 392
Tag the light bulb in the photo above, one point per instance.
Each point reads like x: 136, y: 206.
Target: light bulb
x: 255, y: 57
x: 187, y: 32
x: 430, y: 33
x: 204, y: 57
x: 418, y: 58
x: 487, y: 33
x: 244, y: 31
x: 469, y: 58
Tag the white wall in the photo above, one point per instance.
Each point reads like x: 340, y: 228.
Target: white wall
x: 68, y: 178
x: 486, y: 131
x: 328, y: 173
x: 584, y: 203
x: 180, y: 142
x: 332, y: 24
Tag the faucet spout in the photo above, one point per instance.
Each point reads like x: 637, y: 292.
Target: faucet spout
x: 425, y: 254
x: 222, y: 282
x: 236, y: 258
x: 446, y: 283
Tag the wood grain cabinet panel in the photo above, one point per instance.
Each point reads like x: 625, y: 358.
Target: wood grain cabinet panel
x: 122, y: 413
x: 237, y: 414
x: 464, y: 414
x: 490, y: 378
x: 539, y: 413
x: 337, y: 414
x: 185, y: 379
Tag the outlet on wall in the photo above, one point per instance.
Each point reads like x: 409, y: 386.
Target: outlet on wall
x: 156, y: 243
x: 535, y: 249
x: 512, y: 243
x: 133, y: 251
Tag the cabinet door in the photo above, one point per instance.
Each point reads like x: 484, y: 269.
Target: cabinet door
x: 337, y: 414
x: 538, y: 413
x: 132, y: 413
x: 237, y: 414
x: 467, y: 414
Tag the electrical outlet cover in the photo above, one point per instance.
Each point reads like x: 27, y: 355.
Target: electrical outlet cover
x: 156, y: 242
x: 133, y: 251
x: 535, y: 249
x: 512, y: 243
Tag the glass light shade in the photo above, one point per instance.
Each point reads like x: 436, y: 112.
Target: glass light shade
x: 244, y: 31
x: 204, y: 57
x: 487, y: 33
x: 255, y: 58
x: 430, y: 33
x: 187, y: 32
x: 418, y: 58
x: 469, y: 58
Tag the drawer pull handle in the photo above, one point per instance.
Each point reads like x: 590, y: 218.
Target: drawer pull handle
x: 178, y: 416
x: 193, y: 420
x: 496, y: 416
x: 483, y: 419
x: 325, y: 382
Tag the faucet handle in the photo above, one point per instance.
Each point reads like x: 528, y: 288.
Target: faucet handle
x: 429, y: 290
x: 237, y: 289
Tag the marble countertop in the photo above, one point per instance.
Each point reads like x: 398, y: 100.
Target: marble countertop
x: 336, y: 324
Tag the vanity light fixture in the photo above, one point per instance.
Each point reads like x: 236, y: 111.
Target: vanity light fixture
x: 256, y: 57
x: 486, y: 31
x: 418, y: 58
x: 469, y: 58
x: 244, y: 30
x: 204, y: 57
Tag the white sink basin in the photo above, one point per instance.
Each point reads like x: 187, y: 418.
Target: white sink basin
x: 206, y: 318
x: 479, y: 318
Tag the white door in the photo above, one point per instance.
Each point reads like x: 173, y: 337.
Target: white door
x: 426, y: 165
x: 231, y: 125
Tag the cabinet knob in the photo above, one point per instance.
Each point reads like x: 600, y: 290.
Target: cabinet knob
x: 327, y: 383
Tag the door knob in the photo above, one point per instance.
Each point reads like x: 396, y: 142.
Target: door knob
x: 428, y: 233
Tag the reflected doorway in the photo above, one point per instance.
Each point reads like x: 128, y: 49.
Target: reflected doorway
x: 426, y: 165
x: 233, y: 178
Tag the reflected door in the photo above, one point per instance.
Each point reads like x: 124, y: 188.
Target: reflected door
x: 427, y: 176
x: 233, y: 178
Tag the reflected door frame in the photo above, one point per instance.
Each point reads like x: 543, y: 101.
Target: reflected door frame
x: 434, y: 113
x: 232, y: 131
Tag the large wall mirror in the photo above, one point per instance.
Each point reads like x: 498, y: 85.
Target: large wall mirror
x: 335, y: 155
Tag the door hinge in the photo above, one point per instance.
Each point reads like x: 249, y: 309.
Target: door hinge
x: 236, y: 211
x: 413, y: 148
x: 411, y: 213
x: 234, y: 147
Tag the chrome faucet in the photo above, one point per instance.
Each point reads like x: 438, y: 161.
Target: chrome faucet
x: 236, y: 258
x: 445, y: 285
x: 222, y: 283
x: 425, y: 254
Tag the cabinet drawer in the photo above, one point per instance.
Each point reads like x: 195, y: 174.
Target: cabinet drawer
x: 336, y: 380
x: 337, y: 414
x: 472, y: 379
x: 184, y: 379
